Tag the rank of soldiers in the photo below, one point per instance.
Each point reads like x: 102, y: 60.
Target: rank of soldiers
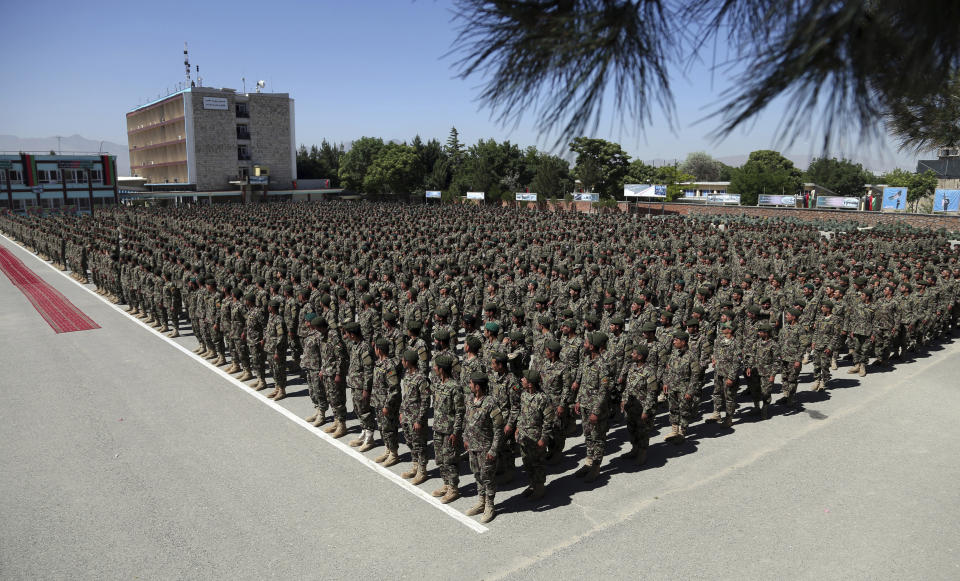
x: 494, y: 334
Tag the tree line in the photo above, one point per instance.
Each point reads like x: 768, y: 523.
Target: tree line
x: 501, y: 169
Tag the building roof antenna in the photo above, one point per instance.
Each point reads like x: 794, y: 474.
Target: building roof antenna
x: 186, y: 64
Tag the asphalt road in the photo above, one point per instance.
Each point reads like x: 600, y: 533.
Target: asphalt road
x: 123, y: 456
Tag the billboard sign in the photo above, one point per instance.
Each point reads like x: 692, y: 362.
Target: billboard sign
x: 474, y: 195
x: 526, y: 197
x: 215, y: 103
x: 644, y: 191
x: 723, y: 198
x: 776, y: 200
x: 946, y: 200
x: 894, y: 199
x: 433, y: 194
x: 258, y: 180
x: 586, y: 197
x: 846, y: 203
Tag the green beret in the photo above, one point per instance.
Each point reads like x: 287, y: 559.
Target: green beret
x: 325, y: 300
x: 444, y: 362
x: 492, y: 327
x: 382, y: 343
x: 310, y: 316
x: 390, y: 317
x: 648, y: 327
x: 414, y: 326
x: 473, y: 343
x: 541, y: 299
x: 726, y: 325
x: 795, y: 311
x: 499, y: 356
x: 592, y: 319
x: 755, y: 309
x: 553, y: 345
x: 210, y: 281
x: 681, y: 335
x: 478, y: 377
x: 318, y: 322
x: 532, y: 375
x: 411, y: 356
x: 766, y: 300
x: 827, y: 303
x: 641, y: 349
x: 666, y: 315
x: 443, y: 312
x: 765, y: 327
x: 442, y: 335
x: 490, y: 307
x: 367, y: 298
x: 867, y: 291
x: 570, y: 323
x: 575, y: 286
x: 352, y: 327
x: 616, y: 320
x: 609, y: 301
x: 250, y: 297
x: 515, y: 336
x: 598, y: 339
x: 545, y: 320
x: 906, y: 286
x: 699, y: 310
x: 275, y: 304
x: 860, y: 280
x: 692, y: 323
x: 810, y: 286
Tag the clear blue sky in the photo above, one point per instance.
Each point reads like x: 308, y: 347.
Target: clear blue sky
x: 355, y: 68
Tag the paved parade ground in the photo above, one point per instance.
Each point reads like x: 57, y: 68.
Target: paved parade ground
x: 126, y: 456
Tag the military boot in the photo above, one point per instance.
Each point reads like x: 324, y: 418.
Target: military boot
x: 341, y: 430
x: 309, y: 419
x: 221, y: 360
x: 682, y: 436
x: 211, y: 355
x: 452, y: 494
x: 260, y: 385
x: 281, y: 393
x: 538, y: 491
x: 854, y: 369
x: 175, y: 333
x: 833, y: 362
x: 392, y: 458
x: 477, y: 508
x: 823, y: 385
x: 714, y: 418
x: 674, y: 433
x: 816, y: 385
x: 440, y: 491
x: 367, y: 442
x: 727, y: 421
x: 421, y: 476
x: 594, y: 472
x: 233, y: 368
x: 165, y: 328
x: 333, y: 427
x: 583, y: 470
x: 379, y: 459
x: 411, y: 472
x: 246, y: 376
x: 320, y: 419
x: 862, y: 371
x: 358, y: 441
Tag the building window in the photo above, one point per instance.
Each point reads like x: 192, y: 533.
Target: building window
x: 96, y: 175
x: 243, y: 132
x: 14, y: 176
x: 243, y: 172
x: 50, y: 176
x: 243, y: 153
x: 242, y: 110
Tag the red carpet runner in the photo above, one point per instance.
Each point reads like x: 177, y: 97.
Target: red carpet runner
x: 55, y: 309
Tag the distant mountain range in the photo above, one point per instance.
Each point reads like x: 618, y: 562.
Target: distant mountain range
x: 68, y: 145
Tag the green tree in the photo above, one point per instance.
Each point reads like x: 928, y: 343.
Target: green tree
x: 393, y: 170
x: 927, y: 121
x: 484, y: 167
x: 841, y: 176
x: 919, y: 186
x: 765, y: 172
x: 850, y: 61
x: 639, y: 172
x: 354, y: 164
x: 702, y: 167
x: 551, y: 177
x: 601, y: 165
x: 454, y: 149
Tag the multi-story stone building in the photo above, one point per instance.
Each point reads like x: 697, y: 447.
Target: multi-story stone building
x: 203, y: 138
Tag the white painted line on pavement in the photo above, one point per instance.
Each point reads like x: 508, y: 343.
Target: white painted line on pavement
x: 346, y: 449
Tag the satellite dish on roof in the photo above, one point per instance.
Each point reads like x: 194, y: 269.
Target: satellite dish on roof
x: 260, y: 85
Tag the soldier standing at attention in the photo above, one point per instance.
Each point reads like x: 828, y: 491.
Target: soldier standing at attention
x: 762, y: 365
x: 359, y: 380
x: 275, y: 348
x: 448, y: 411
x: 861, y: 331
x: 791, y: 355
x: 334, y: 363
x: 253, y: 335
x: 680, y: 386
x: 385, y: 401
x: 414, y: 407
x: 639, y: 401
x: 824, y: 337
x: 310, y: 365
x: 482, y: 433
x: 726, y: 365
x: 593, y: 400
x: 534, y: 427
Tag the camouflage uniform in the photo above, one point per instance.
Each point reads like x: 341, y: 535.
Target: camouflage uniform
x: 535, y: 423
x: 385, y: 400
x: 594, y: 398
x: 448, y: 412
x: 483, y: 431
x: 640, y: 397
x: 414, y: 408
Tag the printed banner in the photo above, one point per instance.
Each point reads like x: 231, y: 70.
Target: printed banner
x: 474, y: 195
x: 586, y: 197
x: 894, y: 199
x: 946, y: 200
x: 776, y: 200
x: 644, y: 191
x: 838, y: 202
x: 109, y: 169
x: 723, y: 198
x: 526, y: 197
x: 433, y: 194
